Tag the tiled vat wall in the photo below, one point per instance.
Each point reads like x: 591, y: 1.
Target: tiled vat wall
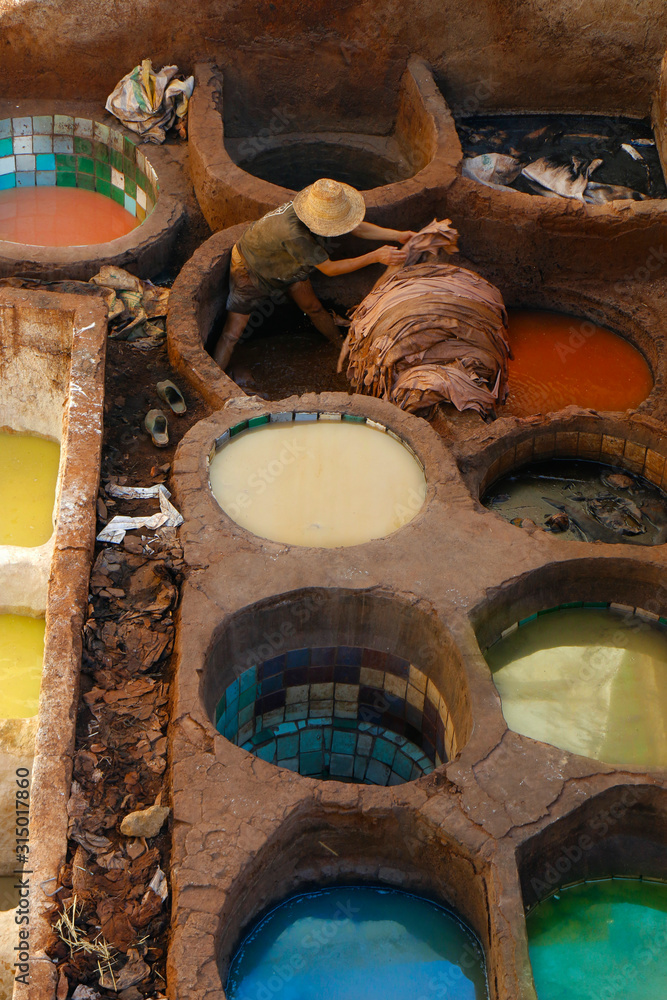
x: 359, y: 713
x: 608, y: 448
x: 625, y: 609
x: 60, y: 150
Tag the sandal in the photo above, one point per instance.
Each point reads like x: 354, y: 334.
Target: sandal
x: 171, y: 395
x: 156, y: 425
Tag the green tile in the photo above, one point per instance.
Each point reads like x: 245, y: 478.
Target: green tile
x: 530, y: 618
x: 83, y: 146
x: 118, y: 195
x: 237, y: 427
x: 130, y: 187
x: 102, y: 170
x: 256, y: 421
x: 86, y: 181
x: 142, y: 181
x: 85, y: 165
x: 129, y: 167
x: 101, y: 152
x: 353, y: 418
x: 103, y: 187
x: 117, y: 160
x: 129, y: 149
x: 65, y: 179
x: 65, y: 162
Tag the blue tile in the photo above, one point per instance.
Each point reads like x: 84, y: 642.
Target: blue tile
x: 288, y: 746
x: 350, y: 656
x: 360, y: 768
x: 7, y: 165
x: 341, y: 765
x: 45, y: 161
x: 247, y: 678
x: 285, y: 728
x: 298, y: 658
x: 5, y: 128
x: 292, y: 764
x: 377, y: 773
x: 46, y: 178
x: 63, y: 144
x: 6, y: 148
x: 7, y: 181
x: 270, y: 684
x: 311, y: 739
x: 267, y: 752
x: 25, y: 178
x: 395, y: 779
x: 247, y: 697
x: 402, y: 766
x: 22, y: 126
x: 274, y: 666
x: 43, y: 144
x: 130, y: 205
x: 384, y: 751
x: 246, y: 714
x: 311, y: 763
x: 344, y: 742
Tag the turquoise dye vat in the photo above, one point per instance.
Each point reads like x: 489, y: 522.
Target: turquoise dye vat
x: 601, y: 941
x: 358, y: 943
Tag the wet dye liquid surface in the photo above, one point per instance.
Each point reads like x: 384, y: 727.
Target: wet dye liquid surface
x: 563, y: 360
x: 593, y: 682
x: 28, y: 477
x: 601, y: 503
x: 358, y: 942
x: 601, y: 939
x: 61, y: 217
x: 21, y: 658
x: 319, y: 483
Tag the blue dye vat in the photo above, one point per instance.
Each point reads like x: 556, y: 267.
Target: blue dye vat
x: 358, y: 943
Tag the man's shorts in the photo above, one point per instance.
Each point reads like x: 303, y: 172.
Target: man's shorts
x: 244, y: 295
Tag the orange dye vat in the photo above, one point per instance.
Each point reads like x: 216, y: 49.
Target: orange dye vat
x: 61, y: 217
x: 563, y: 360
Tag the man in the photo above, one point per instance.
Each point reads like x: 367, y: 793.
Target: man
x: 278, y: 252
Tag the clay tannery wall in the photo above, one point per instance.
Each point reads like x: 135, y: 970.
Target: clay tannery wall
x: 347, y: 58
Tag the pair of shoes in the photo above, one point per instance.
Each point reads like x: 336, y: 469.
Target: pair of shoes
x: 155, y: 421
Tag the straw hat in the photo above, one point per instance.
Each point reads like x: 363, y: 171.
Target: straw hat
x: 330, y: 208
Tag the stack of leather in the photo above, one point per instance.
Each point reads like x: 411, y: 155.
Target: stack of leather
x: 430, y: 332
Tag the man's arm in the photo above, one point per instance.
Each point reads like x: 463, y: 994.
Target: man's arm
x: 384, y: 255
x: 368, y: 231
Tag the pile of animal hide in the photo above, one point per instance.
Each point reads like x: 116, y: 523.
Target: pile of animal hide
x: 430, y: 332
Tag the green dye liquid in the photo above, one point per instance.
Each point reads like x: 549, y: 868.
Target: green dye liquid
x: 593, y: 682
x: 601, y: 941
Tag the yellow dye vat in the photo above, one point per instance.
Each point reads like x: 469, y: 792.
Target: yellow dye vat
x: 318, y: 483
x: 590, y: 681
x: 21, y: 658
x: 28, y: 477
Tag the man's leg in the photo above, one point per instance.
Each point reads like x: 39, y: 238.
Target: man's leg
x: 234, y: 326
x: 304, y: 295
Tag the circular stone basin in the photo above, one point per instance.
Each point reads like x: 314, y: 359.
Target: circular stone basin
x: 27, y: 488
x: 296, y: 165
x: 600, y: 939
x: 563, y: 361
x: 316, y: 480
x: 341, y: 712
x: 67, y: 181
x: 588, y: 679
x: 602, y: 503
x: 356, y: 941
x: 21, y: 658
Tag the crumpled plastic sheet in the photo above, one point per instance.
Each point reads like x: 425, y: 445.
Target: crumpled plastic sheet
x: 149, y: 103
x: 119, y: 525
x: 430, y: 332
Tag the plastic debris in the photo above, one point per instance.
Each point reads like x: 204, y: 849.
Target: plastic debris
x: 168, y: 517
x: 149, y: 103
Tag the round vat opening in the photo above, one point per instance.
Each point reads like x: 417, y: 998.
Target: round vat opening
x: 21, y: 659
x: 316, y: 479
x: 68, y: 181
x: 591, y: 939
x: 582, y: 500
x: 587, y: 678
x: 347, y: 941
x: 561, y: 360
x: 27, y: 488
x: 339, y: 712
x: 295, y: 165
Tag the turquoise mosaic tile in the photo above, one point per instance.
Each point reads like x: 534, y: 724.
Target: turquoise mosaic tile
x: 61, y: 150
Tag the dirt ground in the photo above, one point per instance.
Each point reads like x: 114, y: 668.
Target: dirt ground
x: 112, y: 919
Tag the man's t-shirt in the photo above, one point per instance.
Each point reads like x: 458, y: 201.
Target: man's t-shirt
x: 279, y: 249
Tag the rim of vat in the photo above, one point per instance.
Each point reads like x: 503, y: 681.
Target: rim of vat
x: 324, y: 617
x: 638, y: 446
x: 369, y: 850
x: 228, y: 194
x: 192, y: 460
x: 67, y: 601
x: 145, y: 248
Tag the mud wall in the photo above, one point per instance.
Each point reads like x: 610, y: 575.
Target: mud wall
x: 329, y: 61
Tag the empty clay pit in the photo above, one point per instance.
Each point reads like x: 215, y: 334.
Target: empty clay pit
x: 244, y: 165
x: 396, y: 942
x: 75, y: 194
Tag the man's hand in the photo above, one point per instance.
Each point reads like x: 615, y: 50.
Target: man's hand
x: 390, y: 255
x: 404, y: 237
